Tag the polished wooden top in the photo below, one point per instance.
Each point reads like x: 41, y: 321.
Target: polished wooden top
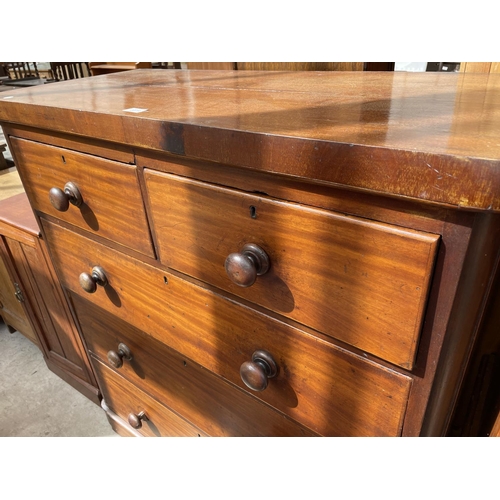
x: 16, y: 211
x: 430, y: 136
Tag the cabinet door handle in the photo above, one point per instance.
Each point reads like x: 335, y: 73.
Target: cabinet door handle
x: 135, y: 420
x: 60, y: 199
x: 18, y: 293
x: 90, y: 281
x: 256, y: 373
x: 115, y: 358
x: 244, y: 266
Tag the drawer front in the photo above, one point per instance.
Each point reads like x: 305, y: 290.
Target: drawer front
x: 216, y: 407
x: 322, y: 386
x: 112, y: 202
x: 362, y: 282
x: 126, y: 401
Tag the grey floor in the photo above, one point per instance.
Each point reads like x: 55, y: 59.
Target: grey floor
x: 34, y: 402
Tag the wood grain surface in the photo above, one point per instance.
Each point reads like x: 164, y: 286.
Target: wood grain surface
x: 17, y: 213
x: 211, y: 65
x: 396, y: 211
x: 362, y: 282
x: 112, y: 203
x: 123, y: 398
x: 325, y: 387
x: 11, y: 310
x: 416, y: 151
x: 53, y: 326
x: 300, y: 66
x: 480, y: 67
x: 216, y: 407
x: 495, y: 431
x: 425, y: 136
x: 96, y: 147
x: 48, y: 321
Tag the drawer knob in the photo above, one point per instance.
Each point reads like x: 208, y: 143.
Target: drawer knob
x: 89, y: 282
x: 115, y: 358
x: 243, y: 267
x: 256, y: 373
x: 60, y: 199
x: 135, y: 421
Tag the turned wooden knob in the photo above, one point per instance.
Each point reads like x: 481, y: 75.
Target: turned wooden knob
x: 60, y: 199
x: 115, y: 358
x: 89, y: 282
x: 243, y: 267
x: 256, y: 373
x: 135, y: 421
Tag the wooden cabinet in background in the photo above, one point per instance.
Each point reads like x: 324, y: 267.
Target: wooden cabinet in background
x: 294, y: 66
x: 104, y: 68
x: 12, y: 297
x: 32, y: 299
x: 211, y: 65
x: 480, y: 67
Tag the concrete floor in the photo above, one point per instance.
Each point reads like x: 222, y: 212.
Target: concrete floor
x: 34, y: 402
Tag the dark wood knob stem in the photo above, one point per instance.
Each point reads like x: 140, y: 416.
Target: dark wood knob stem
x: 243, y: 267
x: 135, y: 421
x: 115, y: 358
x: 60, y: 199
x: 256, y: 373
x: 89, y: 282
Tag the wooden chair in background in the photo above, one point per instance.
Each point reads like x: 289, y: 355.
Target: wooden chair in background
x: 69, y: 70
x: 20, y: 70
x: 166, y: 65
x: 21, y: 74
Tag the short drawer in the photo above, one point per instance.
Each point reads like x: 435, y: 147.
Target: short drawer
x: 142, y: 412
x: 362, y: 282
x: 112, y: 205
x: 320, y: 385
x: 216, y: 407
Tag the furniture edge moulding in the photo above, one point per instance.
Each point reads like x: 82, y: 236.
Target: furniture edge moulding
x: 358, y: 167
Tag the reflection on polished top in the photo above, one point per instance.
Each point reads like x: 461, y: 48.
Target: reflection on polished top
x: 430, y: 136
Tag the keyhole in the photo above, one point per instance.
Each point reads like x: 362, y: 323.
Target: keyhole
x: 63, y: 159
x: 253, y: 212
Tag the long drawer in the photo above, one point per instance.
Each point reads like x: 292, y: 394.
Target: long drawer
x: 216, y: 407
x: 142, y: 412
x: 111, y: 201
x: 363, y: 282
x: 328, y: 389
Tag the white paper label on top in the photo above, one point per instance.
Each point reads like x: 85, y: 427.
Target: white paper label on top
x: 135, y: 110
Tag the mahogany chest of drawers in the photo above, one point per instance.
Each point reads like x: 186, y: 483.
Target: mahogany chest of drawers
x: 276, y: 254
